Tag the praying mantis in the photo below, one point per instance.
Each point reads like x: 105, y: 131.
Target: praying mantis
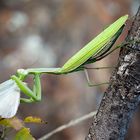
x: 94, y: 51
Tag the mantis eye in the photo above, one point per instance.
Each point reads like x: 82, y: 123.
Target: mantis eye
x: 9, y: 98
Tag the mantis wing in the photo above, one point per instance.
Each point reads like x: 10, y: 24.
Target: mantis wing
x: 105, y: 50
x: 94, y: 46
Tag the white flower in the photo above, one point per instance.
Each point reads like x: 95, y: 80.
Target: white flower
x: 9, y: 98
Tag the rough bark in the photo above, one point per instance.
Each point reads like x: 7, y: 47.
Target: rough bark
x: 122, y: 97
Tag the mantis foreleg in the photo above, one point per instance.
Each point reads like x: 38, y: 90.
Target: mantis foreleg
x: 34, y: 95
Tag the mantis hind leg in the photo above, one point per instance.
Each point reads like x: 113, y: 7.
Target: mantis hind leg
x: 34, y: 95
x: 90, y: 84
x: 93, y: 60
x: 98, y: 68
x: 101, y: 57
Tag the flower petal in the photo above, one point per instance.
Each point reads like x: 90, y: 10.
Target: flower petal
x: 9, y: 99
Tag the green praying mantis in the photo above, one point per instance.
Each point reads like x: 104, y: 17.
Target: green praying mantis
x: 94, y: 51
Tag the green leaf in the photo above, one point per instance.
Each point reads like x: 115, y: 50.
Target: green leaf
x: 14, y: 122
x: 31, y: 119
x: 24, y: 134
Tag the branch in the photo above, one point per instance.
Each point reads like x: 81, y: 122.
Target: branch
x: 65, y: 126
x: 122, y: 97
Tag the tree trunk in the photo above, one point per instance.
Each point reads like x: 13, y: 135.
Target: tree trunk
x: 122, y: 97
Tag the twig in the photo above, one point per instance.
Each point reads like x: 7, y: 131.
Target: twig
x: 65, y: 126
x: 3, y: 133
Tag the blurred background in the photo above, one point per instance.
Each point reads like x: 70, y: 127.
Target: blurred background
x: 46, y: 33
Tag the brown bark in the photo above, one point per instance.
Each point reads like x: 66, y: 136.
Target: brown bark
x: 122, y: 97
